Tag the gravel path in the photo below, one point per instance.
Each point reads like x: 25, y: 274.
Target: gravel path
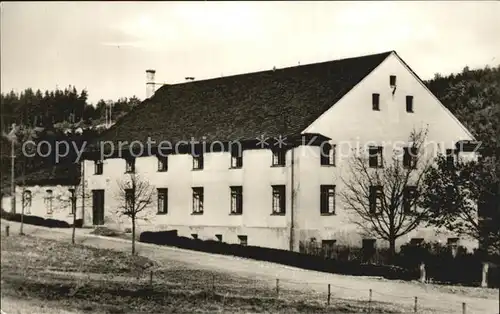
x: 430, y: 298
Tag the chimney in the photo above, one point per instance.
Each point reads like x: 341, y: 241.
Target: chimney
x: 150, y: 83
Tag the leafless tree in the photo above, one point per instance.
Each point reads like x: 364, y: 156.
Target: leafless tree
x: 135, y: 196
x: 384, y: 194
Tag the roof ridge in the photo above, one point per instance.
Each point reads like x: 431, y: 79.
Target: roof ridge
x: 277, y: 69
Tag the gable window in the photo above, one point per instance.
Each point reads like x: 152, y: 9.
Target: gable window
x: 279, y: 199
x: 73, y: 200
x: 409, y: 196
x: 236, y: 159
x: 162, y: 201
x: 197, y: 161
x: 376, y: 102
x: 327, y: 199
x: 392, y: 80
x: 129, y: 200
x: 130, y: 165
x: 162, y: 163
x: 243, y: 239
x: 98, y: 167
x: 279, y: 157
x: 198, y: 200
x: 409, y: 103
x: 328, y: 155
x: 236, y: 200
x: 375, y: 157
x: 27, y: 201
x: 376, y: 198
x: 410, y: 157
x: 48, y: 201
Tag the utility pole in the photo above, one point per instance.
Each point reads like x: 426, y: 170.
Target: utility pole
x: 12, y: 138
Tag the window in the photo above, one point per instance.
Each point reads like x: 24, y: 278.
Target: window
x: 416, y: 241
x: 375, y: 157
x: 162, y: 163
x: 278, y: 199
x: 73, y: 200
x: 236, y: 159
x: 243, y: 239
x: 392, y: 80
x: 48, y: 201
x: 327, y: 199
x: 376, y: 195
x: 197, y: 200
x: 409, y: 103
x: 328, y: 246
x: 162, y: 201
x: 98, y: 167
x: 27, y: 201
x: 129, y: 200
x: 376, y: 102
x: 279, y: 157
x: 219, y: 237
x: 197, y: 161
x: 236, y: 200
x: 328, y: 155
x: 130, y: 165
x: 450, y: 159
x: 409, y: 196
x: 410, y: 157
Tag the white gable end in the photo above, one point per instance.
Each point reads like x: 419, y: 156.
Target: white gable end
x: 352, y: 118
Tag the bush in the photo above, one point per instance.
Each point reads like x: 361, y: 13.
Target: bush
x: 295, y: 259
x: 37, y: 221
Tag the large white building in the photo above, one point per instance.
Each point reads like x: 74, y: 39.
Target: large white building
x: 269, y: 197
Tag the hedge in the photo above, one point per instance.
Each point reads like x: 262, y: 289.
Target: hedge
x: 288, y: 258
x: 39, y: 221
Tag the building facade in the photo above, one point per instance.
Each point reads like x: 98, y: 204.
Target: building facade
x: 269, y: 195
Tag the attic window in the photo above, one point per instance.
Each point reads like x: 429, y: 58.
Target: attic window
x: 98, y: 167
x: 376, y: 102
x: 130, y: 165
x: 392, y: 80
x: 409, y: 103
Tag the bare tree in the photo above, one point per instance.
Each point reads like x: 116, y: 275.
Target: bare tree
x: 384, y: 194
x: 135, y: 196
x: 76, y: 196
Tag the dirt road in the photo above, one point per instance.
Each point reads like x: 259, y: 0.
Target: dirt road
x: 430, y: 298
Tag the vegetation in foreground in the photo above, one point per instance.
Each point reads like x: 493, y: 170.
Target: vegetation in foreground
x: 75, y: 277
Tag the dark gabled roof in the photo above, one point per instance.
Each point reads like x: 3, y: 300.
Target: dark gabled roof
x: 269, y: 103
x: 61, y: 174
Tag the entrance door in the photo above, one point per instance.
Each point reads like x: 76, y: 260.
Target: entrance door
x: 98, y: 207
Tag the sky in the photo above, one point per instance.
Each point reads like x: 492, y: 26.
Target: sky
x: 105, y: 47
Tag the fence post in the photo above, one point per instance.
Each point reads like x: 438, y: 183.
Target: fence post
x: 416, y: 302
x: 151, y: 278
x: 213, y: 283
x: 370, y: 302
x: 422, y: 272
x: 464, y: 308
x: 277, y: 287
x: 328, y: 302
x: 7, y: 230
x: 484, y: 278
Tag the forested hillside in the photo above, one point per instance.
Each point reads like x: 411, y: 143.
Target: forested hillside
x: 473, y: 96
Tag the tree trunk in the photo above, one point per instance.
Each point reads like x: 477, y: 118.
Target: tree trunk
x: 392, y: 249
x: 133, y: 235
x: 74, y: 228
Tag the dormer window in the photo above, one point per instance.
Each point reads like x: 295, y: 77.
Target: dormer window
x: 130, y: 165
x: 98, y: 167
x: 162, y: 163
x: 392, y: 80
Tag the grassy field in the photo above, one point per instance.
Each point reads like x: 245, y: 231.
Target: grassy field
x: 48, y: 276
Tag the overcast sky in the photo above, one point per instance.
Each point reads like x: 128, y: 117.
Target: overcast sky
x: 106, y: 47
